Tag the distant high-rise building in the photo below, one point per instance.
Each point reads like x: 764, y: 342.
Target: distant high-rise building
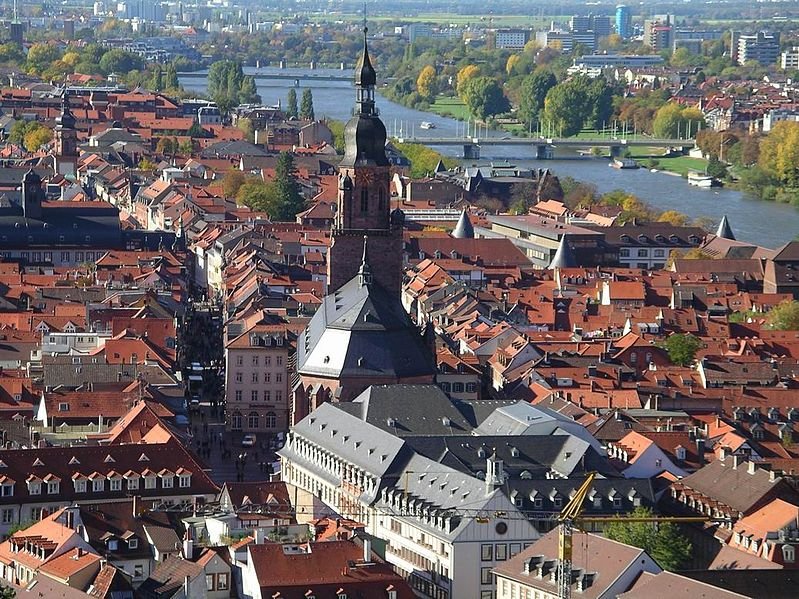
x: 659, y: 32
x: 602, y: 25
x: 624, y: 21
x: 761, y: 47
x: 16, y: 32
x: 511, y: 39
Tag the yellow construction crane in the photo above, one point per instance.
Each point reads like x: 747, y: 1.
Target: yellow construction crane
x: 572, y: 515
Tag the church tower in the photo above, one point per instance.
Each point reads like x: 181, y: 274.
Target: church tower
x: 66, y: 140
x: 363, y: 208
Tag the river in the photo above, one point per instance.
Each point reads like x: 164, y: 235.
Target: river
x: 765, y: 223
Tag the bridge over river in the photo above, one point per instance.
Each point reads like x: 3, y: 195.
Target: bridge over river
x: 545, y: 146
x: 290, y: 76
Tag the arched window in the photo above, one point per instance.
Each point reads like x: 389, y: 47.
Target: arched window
x: 271, y: 420
x: 235, y: 421
x: 364, y: 200
x: 252, y: 420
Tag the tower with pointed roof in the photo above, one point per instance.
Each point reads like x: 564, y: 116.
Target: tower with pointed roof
x: 66, y: 139
x: 363, y: 206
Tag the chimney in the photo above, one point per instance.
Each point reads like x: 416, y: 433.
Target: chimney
x: 79, y: 552
x: 367, y: 551
x: 186, y: 586
x: 135, y: 507
x: 722, y: 453
x: 188, y: 545
x: 259, y: 535
x: 772, y: 476
x: 735, y: 461
x: 700, y: 450
x: 751, y: 468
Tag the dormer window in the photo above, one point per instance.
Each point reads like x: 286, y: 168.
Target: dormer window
x: 98, y: 485
x: 53, y: 487
x: 80, y: 485
x: 34, y: 486
x: 133, y: 543
x: 788, y: 554
x: 184, y: 481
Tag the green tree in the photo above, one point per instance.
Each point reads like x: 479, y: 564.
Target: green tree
x: 166, y: 146
x: 256, y: 195
x: 229, y: 87
x: 7, y: 592
x: 784, y: 316
x: 682, y: 348
x: 288, y: 200
x: 36, y: 137
x: 306, y: 105
x: 484, y: 98
x: 41, y: 56
x: 291, y: 104
x: 337, y: 129
x: 565, y: 109
x: 157, y: 80
x: 171, y: 77
x: 231, y: 182
x: 673, y: 121
x: 119, y: 61
x: 466, y: 74
x: 663, y: 541
x: 426, y: 83
x: 533, y: 92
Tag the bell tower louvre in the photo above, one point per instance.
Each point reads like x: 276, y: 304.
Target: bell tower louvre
x: 363, y: 207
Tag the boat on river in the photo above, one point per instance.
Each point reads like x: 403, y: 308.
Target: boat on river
x: 427, y: 125
x: 626, y: 163
x: 702, y: 180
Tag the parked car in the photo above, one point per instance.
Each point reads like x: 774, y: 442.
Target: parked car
x: 248, y: 441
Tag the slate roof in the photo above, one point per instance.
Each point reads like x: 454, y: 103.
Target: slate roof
x: 361, y: 330
x: 757, y: 584
x: 534, y: 454
x: 734, y: 487
x: 168, y: 577
x: 408, y: 410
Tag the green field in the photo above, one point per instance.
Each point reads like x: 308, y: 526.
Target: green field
x: 450, y: 106
x: 681, y: 165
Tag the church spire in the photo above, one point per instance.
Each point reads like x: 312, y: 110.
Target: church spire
x: 365, y: 271
x: 365, y: 81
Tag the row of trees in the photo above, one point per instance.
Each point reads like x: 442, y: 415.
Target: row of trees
x: 305, y: 110
x: 228, y: 86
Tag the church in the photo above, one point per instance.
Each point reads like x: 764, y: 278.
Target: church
x: 361, y: 334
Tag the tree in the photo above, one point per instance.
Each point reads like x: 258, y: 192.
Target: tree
x: 288, y: 200
x: 166, y: 146
x: 247, y: 127
x: 484, y: 98
x: 779, y: 153
x: 291, y: 104
x: 513, y: 60
x: 532, y: 94
x: 41, y: 56
x: 426, y: 83
x: 566, y: 107
x: 673, y: 121
x: 231, y: 183
x: 465, y: 75
x: 256, y: 195
x: 171, y: 77
x: 784, y: 316
x: 37, y: 137
x: 7, y: 592
x: 682, y: 348
x: 306, y: 105
x: 673, y: 217
x: 229, y: 87
x: 119, y: 61
x: 663, y: 541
